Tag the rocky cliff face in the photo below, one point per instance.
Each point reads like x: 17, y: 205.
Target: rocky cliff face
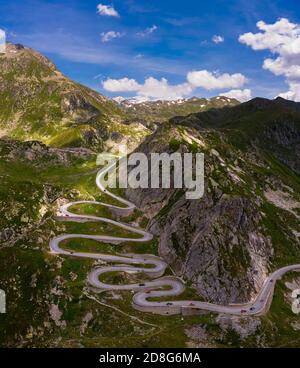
x: 227, y: 242
x: 285, y: 140
x: 38, y: 154
x: 217, y: 245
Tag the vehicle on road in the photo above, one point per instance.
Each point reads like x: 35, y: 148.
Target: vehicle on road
x: 149, y: 286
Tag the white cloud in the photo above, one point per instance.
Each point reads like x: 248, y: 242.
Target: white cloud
x: 121, y: 85
x: 293, y: 93
x: 2, y: 34
x: 241, y: 95
x: 218, y: 39
x: 161, y: 89
x: 283, y: 40
x: 2, y: 40
x: 152, y: 88
x: 108, y: 36
x: 274, y: 37
x: 210, y: 81
x: 155, y: 89
x: 107, y: 10
x: 147, y: 31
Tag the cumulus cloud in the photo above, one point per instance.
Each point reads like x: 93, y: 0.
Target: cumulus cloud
x: 241, y: 95
x: 293, y: 93
x: 121, y: 85
x: 283, y: 40
x: 210, y: 81
x: 147, y: 31
x: 218, y: 39
x: 161, y: 89
x: 155, y: 89
x: 152, y: 88
x: 107, y: 10
x: 108, y: 36
x: 2, y: 40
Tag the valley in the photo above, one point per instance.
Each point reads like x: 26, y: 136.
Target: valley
x: 237, y: 248
x: 154, y: 267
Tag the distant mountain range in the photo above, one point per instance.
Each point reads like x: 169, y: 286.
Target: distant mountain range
x: 162, y: 110
x: 40, y: 103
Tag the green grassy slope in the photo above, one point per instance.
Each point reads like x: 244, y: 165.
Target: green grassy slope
x: 39, y: 284
x: 38, y: 102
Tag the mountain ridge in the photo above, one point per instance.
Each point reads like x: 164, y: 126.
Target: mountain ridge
x: 252, y: 166
x: 159, y: 111
x: 42, y: 104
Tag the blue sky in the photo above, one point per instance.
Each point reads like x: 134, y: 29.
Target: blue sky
x: 125, y: 42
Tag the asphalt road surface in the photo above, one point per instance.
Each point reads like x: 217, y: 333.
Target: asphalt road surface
x: 152, y: 266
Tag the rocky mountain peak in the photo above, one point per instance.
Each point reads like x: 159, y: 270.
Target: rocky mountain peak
x: 41, y: 103
x: 10, y: 47
x: 18, y: 55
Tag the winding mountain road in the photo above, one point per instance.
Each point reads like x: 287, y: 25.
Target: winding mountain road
x: 154, y: 267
